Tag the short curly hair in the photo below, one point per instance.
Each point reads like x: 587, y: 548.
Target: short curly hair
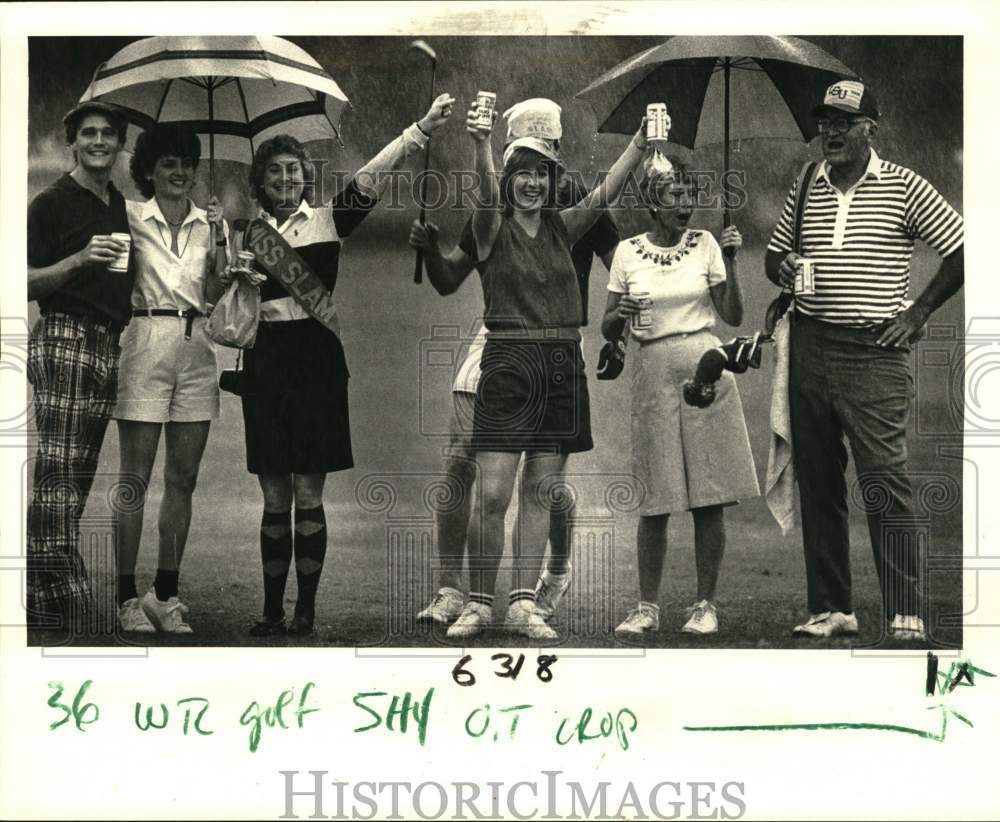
x: 163, y: 140
x: 649, y: 187
x: 266, y: 151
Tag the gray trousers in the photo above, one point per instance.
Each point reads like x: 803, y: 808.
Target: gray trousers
x: 842, y: 384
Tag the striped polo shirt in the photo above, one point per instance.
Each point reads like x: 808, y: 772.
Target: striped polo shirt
x: 861, y: 240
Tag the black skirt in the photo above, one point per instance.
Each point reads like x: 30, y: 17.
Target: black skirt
x: 532, y: 396
x: 295, y: 408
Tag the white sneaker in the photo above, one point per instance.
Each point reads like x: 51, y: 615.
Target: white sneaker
x: 444, y: 608
x: 523, y: 618
x: 474, y: 617
x: 908, y: 627
x: 132, y: 619
x: 640, y: 621
x: 168, y: 616
x: 549, y: 591
x: 829, y: 623
x: 702, y: 619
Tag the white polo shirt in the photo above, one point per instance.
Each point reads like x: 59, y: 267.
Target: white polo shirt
x: 164, y: 279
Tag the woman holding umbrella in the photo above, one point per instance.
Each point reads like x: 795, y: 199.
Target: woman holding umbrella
x: 532, y: 396
x: 167, y: 374
x: 688, y: 459
x: 295, y: 407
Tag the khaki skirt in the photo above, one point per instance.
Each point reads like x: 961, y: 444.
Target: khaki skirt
x: 686, y: 457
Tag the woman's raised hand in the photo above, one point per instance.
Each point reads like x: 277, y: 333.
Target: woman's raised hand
x: 437, y: 115
x: 639, y: 141
x: 478, y: 132
x: 731, y: 240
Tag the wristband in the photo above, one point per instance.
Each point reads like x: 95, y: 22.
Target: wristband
x: 415, y: 137
x: 428, y: 136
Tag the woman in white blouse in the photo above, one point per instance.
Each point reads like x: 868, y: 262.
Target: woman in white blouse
x: 167, y: 374
x: 687, y: 459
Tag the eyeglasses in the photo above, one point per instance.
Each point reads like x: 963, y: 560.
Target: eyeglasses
x: 842, y: 124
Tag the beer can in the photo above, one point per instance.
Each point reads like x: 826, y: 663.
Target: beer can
x: 120, y: 263
x: 244, y: 260
x: 657, y: 122
x: 644, y: 319
x: 804, y: 276
x: 486, y: 103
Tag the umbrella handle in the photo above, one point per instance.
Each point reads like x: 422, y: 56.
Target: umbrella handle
x: 418, y: 269
x: 727, y: 220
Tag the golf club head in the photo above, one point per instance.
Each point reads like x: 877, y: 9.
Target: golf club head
x: 420, y: 45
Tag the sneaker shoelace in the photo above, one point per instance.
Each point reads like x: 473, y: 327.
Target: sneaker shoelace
x: 468, y: 614
x: 636, y: 614
x: 181, y: 610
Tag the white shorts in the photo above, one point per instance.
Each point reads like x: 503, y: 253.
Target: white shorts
x: 163, y: 377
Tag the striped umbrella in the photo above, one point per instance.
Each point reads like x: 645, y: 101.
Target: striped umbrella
x: 233, y: 91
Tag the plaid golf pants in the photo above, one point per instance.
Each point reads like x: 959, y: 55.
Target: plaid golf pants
x: 73, y: 366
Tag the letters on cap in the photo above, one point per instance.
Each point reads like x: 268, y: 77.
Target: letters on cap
x: 845, y: 93
x: 537, y: 117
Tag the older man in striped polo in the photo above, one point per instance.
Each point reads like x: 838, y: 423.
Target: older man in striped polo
x: 850, y: 368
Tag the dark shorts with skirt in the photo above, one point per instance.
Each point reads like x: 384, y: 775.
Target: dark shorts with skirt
x: 295, y: 408
x: 532, y: 396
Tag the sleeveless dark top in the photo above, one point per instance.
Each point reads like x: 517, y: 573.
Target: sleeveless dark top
x: 530, y: 282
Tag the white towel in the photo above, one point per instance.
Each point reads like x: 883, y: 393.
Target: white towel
x: 779, y: 488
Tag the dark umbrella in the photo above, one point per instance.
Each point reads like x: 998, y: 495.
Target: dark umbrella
x: 771, y: 82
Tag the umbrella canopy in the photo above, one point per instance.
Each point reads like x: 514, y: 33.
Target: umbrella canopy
x: 764, y: 86
x: 234, y: 91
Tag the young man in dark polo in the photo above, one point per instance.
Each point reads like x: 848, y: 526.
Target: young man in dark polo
x: 77, y: 274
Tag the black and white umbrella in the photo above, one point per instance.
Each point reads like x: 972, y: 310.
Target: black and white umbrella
x: 233, y: 91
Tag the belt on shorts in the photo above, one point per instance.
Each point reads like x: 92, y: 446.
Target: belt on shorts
x: 187, y: 313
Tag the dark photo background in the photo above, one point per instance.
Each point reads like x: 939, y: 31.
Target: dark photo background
x: 376, y: 580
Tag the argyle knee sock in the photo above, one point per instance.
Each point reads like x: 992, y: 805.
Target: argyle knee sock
x: 310, y: 551
x: 276, y: 557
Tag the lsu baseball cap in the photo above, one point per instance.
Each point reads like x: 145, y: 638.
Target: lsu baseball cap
x: 849, y: 96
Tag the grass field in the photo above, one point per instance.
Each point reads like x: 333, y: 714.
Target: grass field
x: 380, y: 556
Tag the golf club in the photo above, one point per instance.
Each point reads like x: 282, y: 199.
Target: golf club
x: 423, y: 48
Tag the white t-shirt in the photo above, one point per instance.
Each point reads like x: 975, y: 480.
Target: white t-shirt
x: 677, y: 280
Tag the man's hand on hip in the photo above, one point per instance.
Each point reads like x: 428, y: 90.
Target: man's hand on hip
x: 905, y: 327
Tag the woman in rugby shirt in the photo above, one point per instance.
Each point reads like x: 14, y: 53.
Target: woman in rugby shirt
x: 295, y: 407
